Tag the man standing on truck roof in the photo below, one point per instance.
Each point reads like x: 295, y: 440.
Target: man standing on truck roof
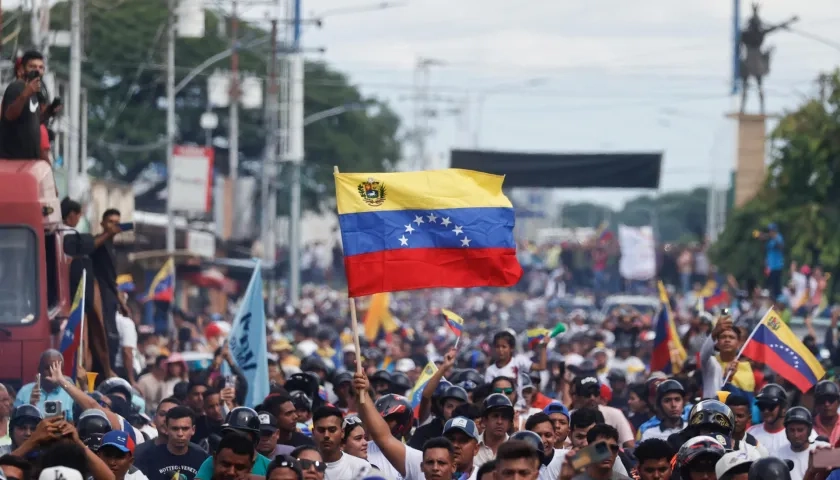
x: 105, y: 270
x: 20, y: 113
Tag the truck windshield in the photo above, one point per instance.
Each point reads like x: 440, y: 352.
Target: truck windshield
x: 18, y: 275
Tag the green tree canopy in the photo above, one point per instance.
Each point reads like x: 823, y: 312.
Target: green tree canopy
x: 124, y: 73
x: 801, y: 193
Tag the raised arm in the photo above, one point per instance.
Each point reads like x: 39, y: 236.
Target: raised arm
x: 392, y: 448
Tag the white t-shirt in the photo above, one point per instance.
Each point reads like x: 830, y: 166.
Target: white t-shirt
x: 552, y: 470
x: 518, y: 364
x: 135, y: 475
x: 347, y: 467
x: 800, y: 459
x: 774, y: 442
x: 657, y: 432
x: 128, y: 338
x: 413, y: 462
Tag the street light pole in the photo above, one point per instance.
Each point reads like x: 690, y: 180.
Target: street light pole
x: 170, y: 123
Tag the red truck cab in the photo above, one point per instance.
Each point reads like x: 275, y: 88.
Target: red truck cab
x: 34, y: 270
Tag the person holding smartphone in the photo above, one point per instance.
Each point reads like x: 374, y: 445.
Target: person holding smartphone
x: 20, y: 113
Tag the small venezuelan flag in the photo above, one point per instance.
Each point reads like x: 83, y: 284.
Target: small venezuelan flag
x: 162, y: 288
x: 445, y: 228
x: 453, y: 321
x: 535, y: 336
x: 774, y: 344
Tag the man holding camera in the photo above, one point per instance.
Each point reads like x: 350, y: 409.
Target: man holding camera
x: 20, y: 114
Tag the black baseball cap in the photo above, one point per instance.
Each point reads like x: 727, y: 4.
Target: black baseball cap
x: 268, y: 422
x: 586, y: 385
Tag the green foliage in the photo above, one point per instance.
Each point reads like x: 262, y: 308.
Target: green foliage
x: 125, y: 50
x: 677, y: 216
x: 801, y: 194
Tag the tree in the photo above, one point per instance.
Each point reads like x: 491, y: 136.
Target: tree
x: 801, y: 193
x: 125, y: 50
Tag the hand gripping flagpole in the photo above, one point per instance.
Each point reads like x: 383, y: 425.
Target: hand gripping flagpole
x: 741, y: 351
x: 354, y: 322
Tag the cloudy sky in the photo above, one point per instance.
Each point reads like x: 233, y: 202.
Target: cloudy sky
x: 576, y: 76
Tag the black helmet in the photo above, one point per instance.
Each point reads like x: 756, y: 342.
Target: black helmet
x: 307, y: 383
x: 772, y: 392
x: 398, y: 408
x: 826, y: 388
x: 497, y: 401
x: 313, y: 363
x: 799, y: 415
x: 25, y: 413
x: 243, y: 419
x: 694, y: 448
x: 400, y: 383
x: 381, y: 376
x: 301, y: 401
x: 441, y: 389
x: 456, y: 393
x: 531, y: 438
x: 116, y: 385
x: 770, y: 467
x: 92, y: 425
x: 342, y: 378
x: 666, y: 387
x: 712, y: 415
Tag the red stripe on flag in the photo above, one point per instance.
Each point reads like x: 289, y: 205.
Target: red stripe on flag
x: 414, y: 268
x: 764, y: 354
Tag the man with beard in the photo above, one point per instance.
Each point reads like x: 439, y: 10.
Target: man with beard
x: 798, y: 426
x: 327, y: 433
x: 670, y: 402
x: 464, y: 436
x: 234, y: 458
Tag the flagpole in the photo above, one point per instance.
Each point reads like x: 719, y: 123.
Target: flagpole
x: 744, y: 346
x: 354, y: 322
x: 457, y: 340
x: 80, y: 354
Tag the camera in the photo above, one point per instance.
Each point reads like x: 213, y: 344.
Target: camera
x: 52, y: 408
x: 32, y: 75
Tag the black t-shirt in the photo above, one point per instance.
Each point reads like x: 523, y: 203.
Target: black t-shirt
x: 297, y: 440
x: 20, y: 139
x: 159, y: 463
x: 104, y: 266
x: 425, y: 432
x: 204, y: 427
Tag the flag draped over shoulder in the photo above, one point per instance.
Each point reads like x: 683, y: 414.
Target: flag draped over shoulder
x: 378, y: 316
x: 444, y: 228
x: 668, y: 353
x: 73, y: 330
x: 247, y: 341
x: 774, y: 344
x: 162, y: 288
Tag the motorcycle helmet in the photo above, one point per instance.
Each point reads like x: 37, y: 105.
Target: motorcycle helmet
x: 772, y: 394
x: 301, y: 401
x: 666, y: 387
x: 23, y: 414
x: 532, y: 438
x: 827, y: 389
x: 400, y: 383
x: 243, y: 419
x: 799, y: 415
x: 455, y: 392
x: 698, y: 448
x: 116, y: 385
x: 313, y: 363
x: 497, y: 402
x: 380, y: 376
x: 396, y: 407
x: 711, y: 416
x: 92, y: 426
x: 770, y: 467
x: 341, y: 378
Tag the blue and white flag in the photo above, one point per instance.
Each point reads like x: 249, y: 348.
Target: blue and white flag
x: 247, y: 341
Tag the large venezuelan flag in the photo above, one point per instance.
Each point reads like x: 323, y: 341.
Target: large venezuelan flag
x: 774, y: 344
x: 443, y: 228
x: 668, y: 352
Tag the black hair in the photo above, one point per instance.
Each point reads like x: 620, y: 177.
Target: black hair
x: 516, y: 449
x: 237, y: 442
x: 506, y: 336
x: 349, y: 427
x: 286, y: 461
x: 584, y: 417
x: 481, y: 392
x: 159, y: 359
x: 69, y: 206
x: 537, y: 419
x: 641, y: 391
x: 30, y: 55
x: 64, y: 453
x: 170, y: 400
x: 195, y: 383
x: 468, y: 410
x: 486, y: 468
x: 737, y: 401
x: 653, y: 449
x: 272, y: 403
x: 298, y: 450
x: 439, y: 442
x: 179, y: 412
x: 325, y: 412
x: 507, y: 379
x: 109, y: 212
x: 602, y: 430
x: 18, y: 462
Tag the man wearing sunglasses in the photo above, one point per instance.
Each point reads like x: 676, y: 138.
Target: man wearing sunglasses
x: 772, y: 403
x: 311, y: 462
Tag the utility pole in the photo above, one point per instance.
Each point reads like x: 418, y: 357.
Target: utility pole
x: 422, y: 110
x: 74, y: 122
x: 234, y: 99
x: 267, y: 197
x: 170, y: 122
x: 295, y: 152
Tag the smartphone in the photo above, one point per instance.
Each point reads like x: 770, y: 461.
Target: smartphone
x: 827, y: 459
x: 230, y: 381
x: 594, y: 453
x: 38, y: 380
x: 125, y: 227
x: 52, y: 409
x: 32, y: 75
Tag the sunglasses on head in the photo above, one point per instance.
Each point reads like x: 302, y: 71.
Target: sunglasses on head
x: 506, y: 391
x: 350, y: 421
x: 307, y: 464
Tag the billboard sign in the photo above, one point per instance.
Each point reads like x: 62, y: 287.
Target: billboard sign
x: 192, y: 179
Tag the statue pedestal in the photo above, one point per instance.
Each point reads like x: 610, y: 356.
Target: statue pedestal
x: 750, y: 169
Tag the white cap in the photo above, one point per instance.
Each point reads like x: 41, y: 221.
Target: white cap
x: 732, y: 460
x: 404, y: 365
x: 60, y: 473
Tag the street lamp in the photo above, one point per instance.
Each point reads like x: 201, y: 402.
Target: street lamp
x: 295, y: 210
x: 503, y: 88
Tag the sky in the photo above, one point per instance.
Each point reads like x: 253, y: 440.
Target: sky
x: 575, y: 76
